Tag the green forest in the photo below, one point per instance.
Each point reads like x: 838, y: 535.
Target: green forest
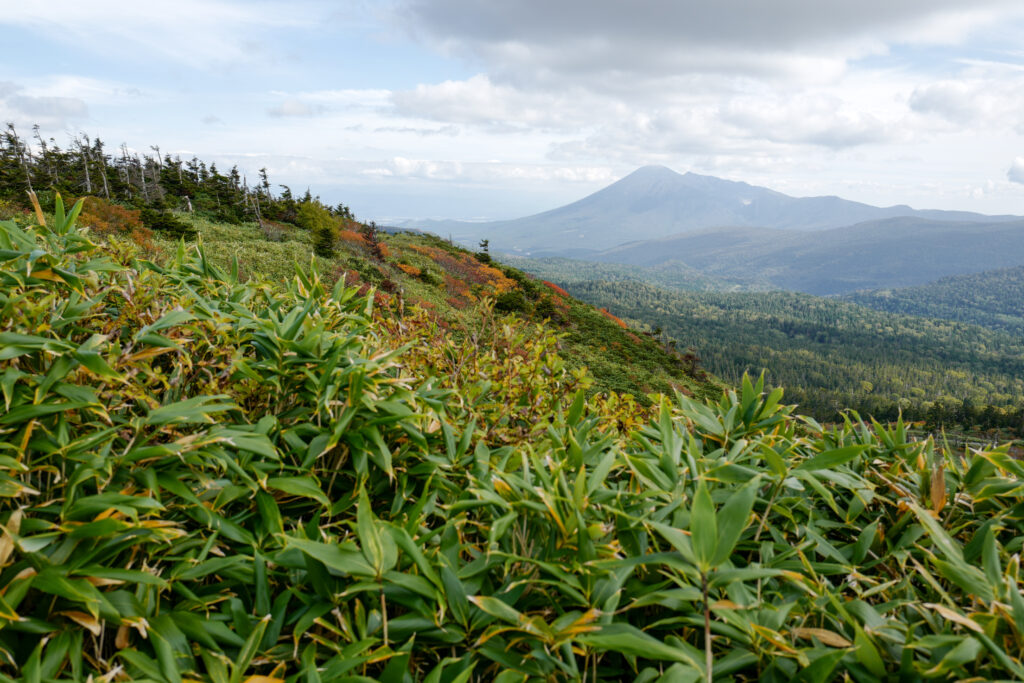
x: 992, y: 298
x: 833, y: 355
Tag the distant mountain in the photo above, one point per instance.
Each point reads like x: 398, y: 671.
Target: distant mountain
x: 992, y: 298
x: 896, y: 252
x: 655, y: 202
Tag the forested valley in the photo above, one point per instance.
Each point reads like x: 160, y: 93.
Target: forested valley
x: 991, y: 298
x: 833, y: 355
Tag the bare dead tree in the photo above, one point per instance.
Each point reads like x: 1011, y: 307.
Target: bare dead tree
x: 84, y: 145
x: 19, y: 149
x: 44, y: 150
x: 142, y: 174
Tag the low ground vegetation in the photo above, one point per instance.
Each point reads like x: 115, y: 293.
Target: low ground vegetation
x: 205, y: 477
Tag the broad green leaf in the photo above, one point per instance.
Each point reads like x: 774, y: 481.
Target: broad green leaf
x: 299, y: 486
x: 832, y: 458
x: 733, y: 518
x: 703, y: 527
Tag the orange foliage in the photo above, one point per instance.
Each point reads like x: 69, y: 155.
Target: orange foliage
x: 106, y: 218
x: 352, y: 237
x: 618, y: 321
x: 409, y: 269
x: 143, y: 237
x: 556, y: 288
x: 463, y: 271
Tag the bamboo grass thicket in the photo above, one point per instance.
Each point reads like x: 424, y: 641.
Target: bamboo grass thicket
x: 208, y: 479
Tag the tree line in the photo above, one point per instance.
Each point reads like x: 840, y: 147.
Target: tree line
x: 153, y: 181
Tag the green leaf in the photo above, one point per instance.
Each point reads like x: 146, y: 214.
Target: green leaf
x: 832, y: 458
x: 967, y: 651
x: 455, y: 593
x: 703, y: 527
x: 334, y: 558
x: 678, y: 539
x: 733, y: 518
x: 195, y: 410
x: 629, y: 640
x: 248, y: 651
x: 299, y: 486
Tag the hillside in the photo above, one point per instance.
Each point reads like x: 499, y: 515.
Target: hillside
x: 992, y: 298
x: 655, y: 202
x: 158, y: 201
x: 896, y: 252
x: 217, y: 480
x: 833, y: 355
x: 670, y: 275
x: 452, y: 286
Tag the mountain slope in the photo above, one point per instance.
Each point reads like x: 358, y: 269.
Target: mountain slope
x: 895, y: 252
x: 992, y: 298
x: 655, y: 202
x: 450, y: 285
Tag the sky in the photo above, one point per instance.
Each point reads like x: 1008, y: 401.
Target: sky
x: 492, y: 109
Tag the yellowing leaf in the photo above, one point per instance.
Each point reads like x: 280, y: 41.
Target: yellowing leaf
x: 955, y: 617
x: 7, y: 536
x: 938, y: 488
x: 830, y: 638
x: 86, y: 620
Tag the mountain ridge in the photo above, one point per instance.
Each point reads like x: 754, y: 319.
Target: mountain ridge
x: 654, y: 202
x: 894, y: 252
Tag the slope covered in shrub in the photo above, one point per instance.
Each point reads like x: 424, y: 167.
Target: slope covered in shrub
x: 208, y: 479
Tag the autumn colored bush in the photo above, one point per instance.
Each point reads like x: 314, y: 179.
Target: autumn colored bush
x: 615, y: 319
x: 555, y: 288
x: 409, y: 269
x: 107, y: 218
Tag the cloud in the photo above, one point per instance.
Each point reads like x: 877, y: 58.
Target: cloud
x: 817, y: 119
x: 46, y: 110
x: 987, y: 96
x: 196, y: 33
x: 450, y: 131
x: 294, y: 108
x: 1016, y: 172
x: 606, y: 42
x: 504, y: 108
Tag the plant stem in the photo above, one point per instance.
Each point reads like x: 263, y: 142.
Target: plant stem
x: 707, y: 626
x: 384, y: 614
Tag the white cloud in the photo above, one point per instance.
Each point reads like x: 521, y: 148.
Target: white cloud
x: 197, y: 33
x: 1016, y: 172
x: 293, y: 108
x: 603, y: 42
x: 19, y: 106
x: 504, y: 108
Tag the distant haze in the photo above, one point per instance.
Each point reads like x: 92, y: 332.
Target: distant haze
x: 655, y: 202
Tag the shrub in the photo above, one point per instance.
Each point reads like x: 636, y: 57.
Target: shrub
x: 167, y: 223
x: 106, y: 218
x: 511, y: 302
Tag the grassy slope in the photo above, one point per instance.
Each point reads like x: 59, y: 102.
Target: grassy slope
x: 451, y: 283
